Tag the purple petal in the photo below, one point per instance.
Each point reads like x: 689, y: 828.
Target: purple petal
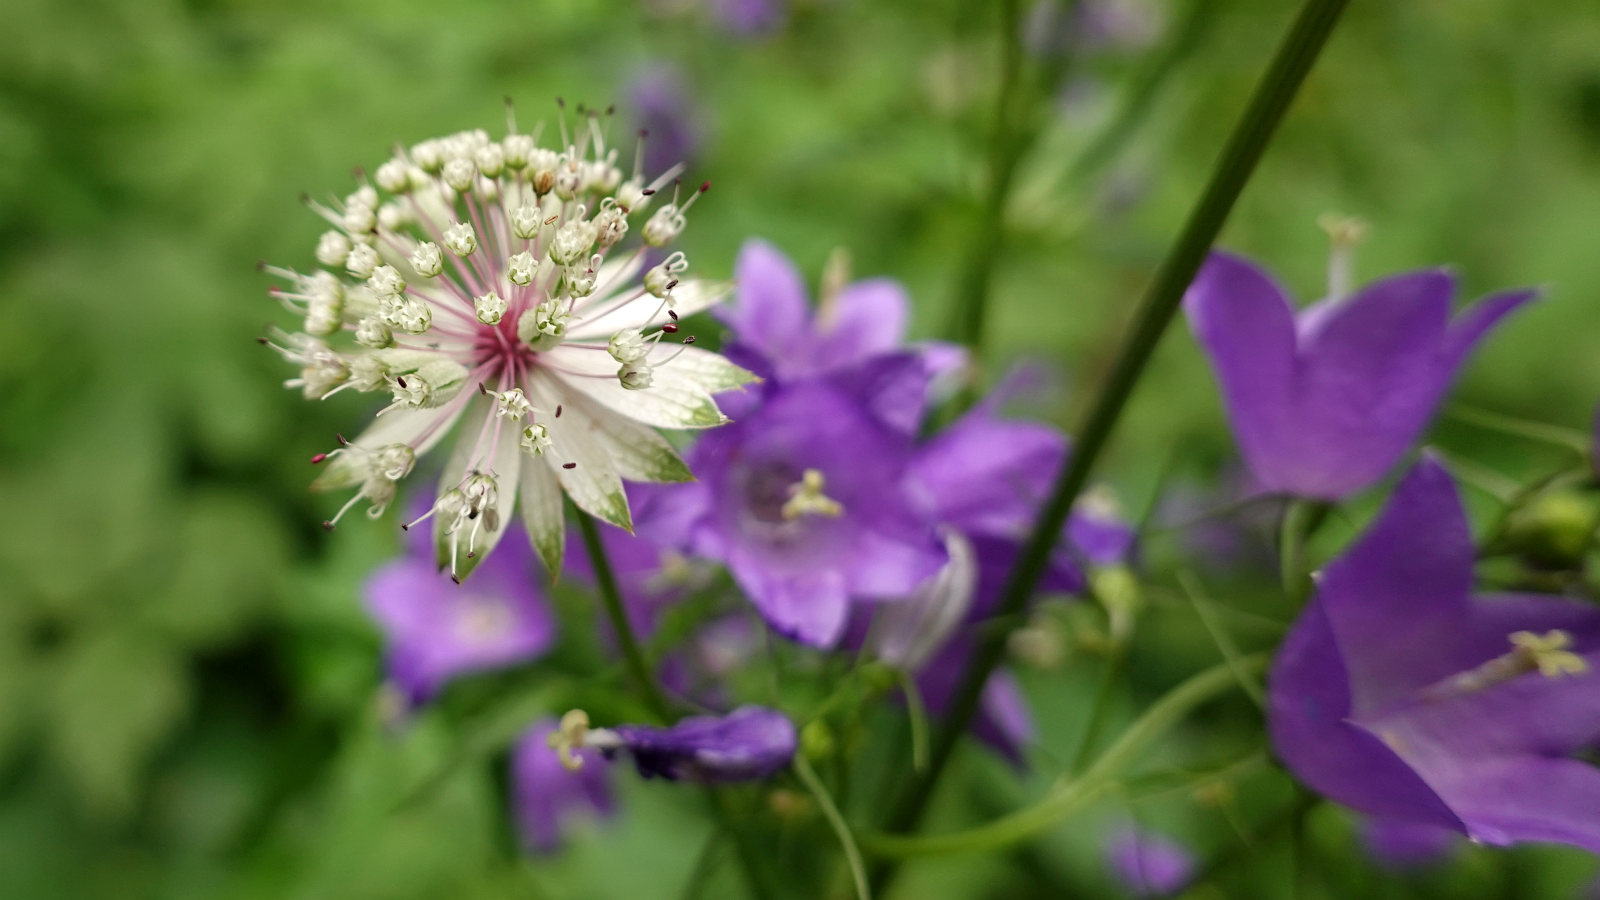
x: 1370, y: 374
x: 1396, y: 587
x: 1475, y: 322
x: 546, y: 798
x: 1244, y: 322
x: 1530, y: 799
x: 866, y: 318
x: 810, y: 608
x: 1308, y: 710
x: 1398, y: 844
x: 769, y: 312
x: 1148, y: 864
x: 747, y: 744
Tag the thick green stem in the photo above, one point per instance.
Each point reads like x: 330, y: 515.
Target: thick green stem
x: 1098, y: 778
x: 1245, y: 146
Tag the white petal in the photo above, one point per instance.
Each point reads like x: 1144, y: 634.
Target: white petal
x: 399, y: 426
x: 542, y: 514
x: 711, y: 371
x: 648, y: 312
x: 672, y: 401
x: 906, y: 633
x: 505, y: 465
x: 639, y: 452
x: 593, y: 482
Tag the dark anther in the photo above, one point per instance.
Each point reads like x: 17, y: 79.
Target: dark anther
x: 689, y: 339
x: 558, y: 410
x: 569, y: 465
x: 318, y: 458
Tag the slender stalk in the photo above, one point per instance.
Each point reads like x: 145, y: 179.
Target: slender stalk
x: 1278, y: 86
x: 1074, y: 794
x: 1541, y: 432
x: 643, y: 676
x: 1100, y: 710
x: 1301, y: 519
x: 969, y: 318
x: 841, y: 829
x: 611, y: 599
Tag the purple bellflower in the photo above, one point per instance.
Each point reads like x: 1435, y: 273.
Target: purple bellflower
x: 1148, y: 864
x: 1400, y: 694
x: 747, y: 744
x: 802, y: 499
x: 860, y: 330
x: 436, y: 629
x: 547, y: 796
x: 1324, y: 402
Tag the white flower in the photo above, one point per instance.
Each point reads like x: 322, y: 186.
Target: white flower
x: 522, y: 368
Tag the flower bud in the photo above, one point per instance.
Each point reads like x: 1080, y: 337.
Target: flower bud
x: 332, y: 248
x: 361, y: 261
x: 460, y: 239
x: 394, y: 176
x: 489, y: 308
x: 459, y: 173
x: 522, y: 268
x: 427, y: 259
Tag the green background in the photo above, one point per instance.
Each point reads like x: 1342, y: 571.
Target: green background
x: 189, y: 700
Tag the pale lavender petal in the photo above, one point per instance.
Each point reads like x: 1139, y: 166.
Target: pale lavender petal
x: 769, y: 311
x: 1149, y: 864
x: 1529, y: 799
x: 865, y: 318
x: 546, y: 798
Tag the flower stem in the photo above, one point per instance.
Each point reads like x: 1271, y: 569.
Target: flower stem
x: 642, y: 674
x: 1072, y: 795
x: 969, y: 318
x: 611, y: 599
x: 1278, y: 86
x: 841, y: 829
x: 1301, y: 519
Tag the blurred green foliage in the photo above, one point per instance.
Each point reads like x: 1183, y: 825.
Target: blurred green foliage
x: 189, y: 701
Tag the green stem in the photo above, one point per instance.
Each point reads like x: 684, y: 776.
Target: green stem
x: 1301, y: 519
x: 969, y: 318
x: 1100, y: 711
x: 1143, y: 93
x: 642, y: 674
x: 841, y: 829
x: 1541, y: 432
x: 1278, y: 86
x: 1097, y: 779
x: 611, y: 599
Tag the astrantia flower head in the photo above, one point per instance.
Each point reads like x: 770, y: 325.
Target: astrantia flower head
x: 490, y: 287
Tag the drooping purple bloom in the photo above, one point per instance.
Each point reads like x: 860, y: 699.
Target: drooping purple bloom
x: 660, y: 100
x: 1324, y: 402
x: 1148, y: 864
x: 436, y: 629
x: 748, y: 744
x: 1402, y: 695
x: 803, y: 500
x: 546, y: 797
x: 860, y: 331
x: 750, y: 18
x: 1401, y: 844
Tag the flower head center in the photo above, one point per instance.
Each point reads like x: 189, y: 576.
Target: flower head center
x: 806, y: 498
